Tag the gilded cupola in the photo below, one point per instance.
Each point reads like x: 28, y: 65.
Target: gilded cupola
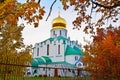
x: 59, y: 23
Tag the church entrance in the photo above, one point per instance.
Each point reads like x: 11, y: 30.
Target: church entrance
x: 56, y: 72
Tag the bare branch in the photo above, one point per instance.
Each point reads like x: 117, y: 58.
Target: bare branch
x: 39, y: 1
x: 50, y: 10
x: 107, y: 7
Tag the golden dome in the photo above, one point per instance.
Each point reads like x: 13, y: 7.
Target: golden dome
x: 58, y: 23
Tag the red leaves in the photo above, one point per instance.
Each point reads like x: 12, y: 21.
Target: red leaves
x: 103, y: 55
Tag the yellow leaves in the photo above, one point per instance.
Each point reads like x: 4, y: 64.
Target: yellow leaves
x: 9, y: 1
x: 1, y: 23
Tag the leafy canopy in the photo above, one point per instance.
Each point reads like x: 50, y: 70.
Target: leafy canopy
x: 103, y: 55
x: 94, y: 13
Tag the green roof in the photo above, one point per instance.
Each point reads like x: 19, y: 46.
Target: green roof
x: 58, y: 38
x: 61, y: 37
x: 71, y: 51
x: 47, y: 59
x: 40, y: 61
x: 37, y: 61
x: 34, y: 63
x: 79, y: 50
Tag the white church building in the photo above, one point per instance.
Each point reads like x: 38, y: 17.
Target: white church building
x: 57, y: 56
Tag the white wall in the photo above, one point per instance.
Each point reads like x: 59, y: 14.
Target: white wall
x: 53, y: 50
x: 71, y: 58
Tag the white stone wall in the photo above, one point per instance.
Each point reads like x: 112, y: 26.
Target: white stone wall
x: 56, y: 32
x: 53, y: 50
x: 71, y: 58
x: 42, y: 71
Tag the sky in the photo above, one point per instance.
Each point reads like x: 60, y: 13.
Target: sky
x: 33, y: 35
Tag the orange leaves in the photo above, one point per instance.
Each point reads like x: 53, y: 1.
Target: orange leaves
x: 35, y: 25
x: 29, y: 11
x: 11, y: 19
x: 97, y: 13
x: 33, y: 13
x: 41, y: 11
x: 1, y: 23
x: 82, y: 1
x: 103, y: 55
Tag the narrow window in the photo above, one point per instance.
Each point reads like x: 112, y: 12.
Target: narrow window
x: 60, y: 32
x: 76, y: 57
x: 58, y: 49
x: 53, y: 32
x: 37, y: 51
x: 48, y: 49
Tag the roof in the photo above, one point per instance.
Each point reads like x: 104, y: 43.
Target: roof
x: 37, y: 61
x: 34, y: 63
x: 47, y: 59
x: 79, y: 50
x: 71, y: 51
x: 58, y: 38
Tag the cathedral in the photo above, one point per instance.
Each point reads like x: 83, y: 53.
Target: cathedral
x: 57, y: 56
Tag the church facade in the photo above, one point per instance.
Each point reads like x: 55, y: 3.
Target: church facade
x: 57, y: 55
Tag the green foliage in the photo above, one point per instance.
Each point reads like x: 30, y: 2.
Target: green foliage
x: 50, y: 78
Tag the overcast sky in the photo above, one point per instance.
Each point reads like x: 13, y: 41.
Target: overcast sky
x: 33, y: 35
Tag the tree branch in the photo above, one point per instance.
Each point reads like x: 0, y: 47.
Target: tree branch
x: 39, y: 1
x: 107, y: 7
x: 50, y: 10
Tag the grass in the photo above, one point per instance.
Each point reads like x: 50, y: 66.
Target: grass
x: 49, y: 78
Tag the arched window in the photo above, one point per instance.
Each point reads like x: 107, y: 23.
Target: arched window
x: 58, y: 49
x: 48, y: 49
x: 53, y: 32
x: 60, y: 32
x: 37, y: 51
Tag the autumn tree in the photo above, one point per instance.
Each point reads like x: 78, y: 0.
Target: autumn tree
x: 103, y: 55
x: 32, y: 12
x: 12, y: 10
x: 94, y: 13
x: 13, y: 53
